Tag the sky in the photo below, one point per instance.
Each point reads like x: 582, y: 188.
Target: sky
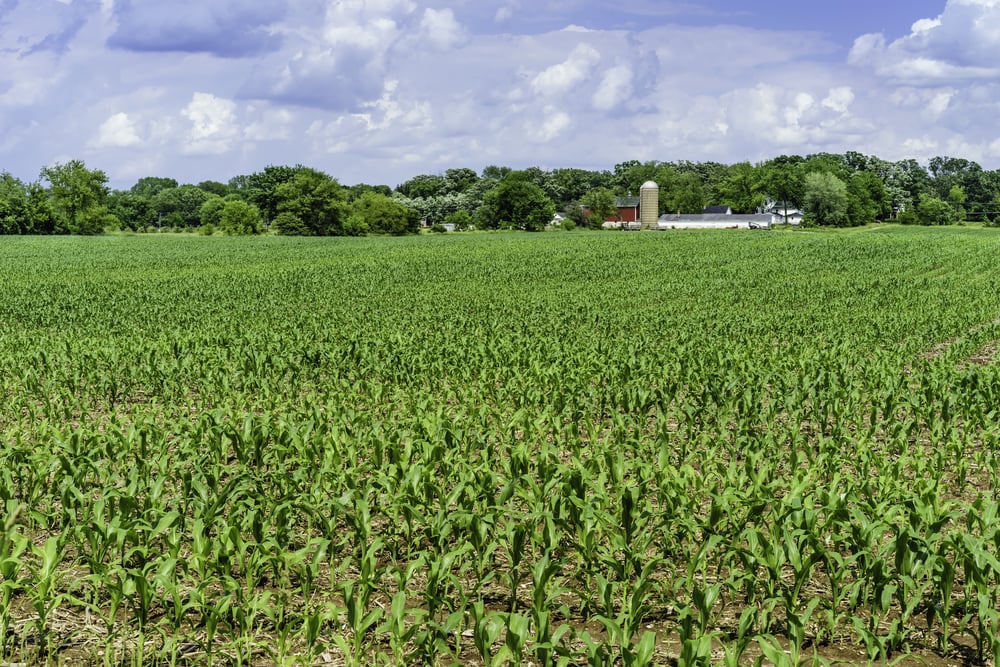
x: 378, y: 91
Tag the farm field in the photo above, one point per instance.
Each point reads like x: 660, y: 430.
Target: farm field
x: 682, y: 448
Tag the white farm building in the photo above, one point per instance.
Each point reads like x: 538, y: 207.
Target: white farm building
x: 714, y: 221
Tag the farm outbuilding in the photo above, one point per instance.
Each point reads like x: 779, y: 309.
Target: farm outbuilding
x: 714, y: 221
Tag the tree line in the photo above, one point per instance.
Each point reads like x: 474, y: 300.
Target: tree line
x: 831, y: 189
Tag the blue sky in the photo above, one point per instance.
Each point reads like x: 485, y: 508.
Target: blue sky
x: 377, y: 91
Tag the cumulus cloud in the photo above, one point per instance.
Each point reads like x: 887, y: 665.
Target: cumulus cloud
x: 228, y: 28
x: 213, y: 125
x: 118, y: 131
x: 379, y: 90
x: 342, y: 62
x: 269, y: 125
x: 961, y: 43
x: 615, y: 89
x: 839, y: 99
x: 440, y: 29
x: 553, y: 123
x: 562, y: 77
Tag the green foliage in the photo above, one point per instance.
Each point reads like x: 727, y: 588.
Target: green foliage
x: 315, y: 203
x: 684, y: 193
x: 180, y: 207
x: 576, y: 214
x: 461, y: 219
x: 516, y: 203
x: 373, y: 212
x: 289, y: 224
x: 876, y: 190
x: 240, y: 218
x: 133, y: 211
x: 150, y: 186
x: 437, y: 450
x: 261, y: 188
x: 41, y: 213
x: 742, y: 188
x: 78, y: 197
x: 211, y: 211
x: 436, y: 209
x: 934, y: 211
x: 784, y: 180
x: 573, y: 184
x: 825, y: 200
x: 355, y: 191
x: 215, y: 188
x: 601, y: 203
x: 13, y: 206
x: 423, y: 186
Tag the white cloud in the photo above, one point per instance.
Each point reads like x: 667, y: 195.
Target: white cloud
x: 118, y: 131
x: 939, y: 103
x: 506, y: 12
x: 554, y: 123
x: 388, y: 111
x: 269, y: 125
x: 367, y: 24
x: 799, y: 106
x: 213, y: 124
x: 615, y: 89
x: 338, y: 59
x: 961, y: 43
x: 380, y: 90
x: 577, y: 68
x: 440, y: 29
x: 839, y: 99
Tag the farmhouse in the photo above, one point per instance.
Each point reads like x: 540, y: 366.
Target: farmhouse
x: 784, y: 214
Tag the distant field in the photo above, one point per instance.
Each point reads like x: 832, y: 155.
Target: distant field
x: 562, y: 448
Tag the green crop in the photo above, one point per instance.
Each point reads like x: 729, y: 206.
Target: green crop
x: 602, y: 449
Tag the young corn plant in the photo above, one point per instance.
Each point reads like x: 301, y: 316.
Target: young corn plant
x: 44, y: 593
x: 486, y: 630
x: 12, y: 549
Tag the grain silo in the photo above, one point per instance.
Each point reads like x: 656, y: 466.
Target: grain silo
x: 649, y: 204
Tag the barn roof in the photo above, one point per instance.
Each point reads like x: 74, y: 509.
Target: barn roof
x: 626, y: 202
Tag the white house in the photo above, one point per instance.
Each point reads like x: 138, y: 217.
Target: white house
x: 784, y: 213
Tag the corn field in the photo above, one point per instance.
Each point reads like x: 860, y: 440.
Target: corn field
x: 592, y: 449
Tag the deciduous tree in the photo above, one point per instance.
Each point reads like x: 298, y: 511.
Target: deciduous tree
x: 78, y: 196
x: 373, y: 212
x: 314, y: 202
x: 14, y: 217
x: 825, y: 199
x: 601, y: 203
x: 516, y: 203
x: 239, y: 217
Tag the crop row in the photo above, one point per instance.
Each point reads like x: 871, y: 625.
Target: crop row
x: 586, y: 450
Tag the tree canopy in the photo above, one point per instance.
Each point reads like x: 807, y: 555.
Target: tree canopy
x: 72, y: 198
x: 78, y: 197
x: 516, y: 203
